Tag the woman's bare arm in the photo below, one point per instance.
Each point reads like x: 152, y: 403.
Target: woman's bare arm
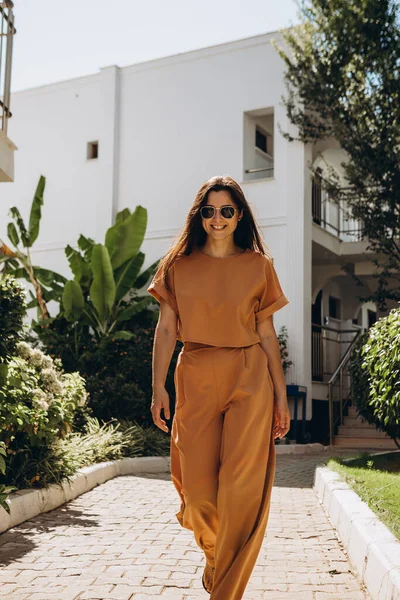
x: 270, y: 345
x: 163, y: 348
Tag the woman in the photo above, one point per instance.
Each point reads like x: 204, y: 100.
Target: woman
x: 217, y: 291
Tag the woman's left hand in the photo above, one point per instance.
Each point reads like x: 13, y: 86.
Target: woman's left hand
x: 281, y: 420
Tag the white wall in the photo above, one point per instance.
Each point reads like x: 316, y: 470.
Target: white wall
x: 164, y: 127
x: 53, y: 125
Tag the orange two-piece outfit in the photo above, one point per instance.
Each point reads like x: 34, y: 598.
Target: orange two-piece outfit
x: 222, y: 447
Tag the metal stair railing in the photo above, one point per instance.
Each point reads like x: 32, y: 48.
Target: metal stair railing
x: 336, y: 382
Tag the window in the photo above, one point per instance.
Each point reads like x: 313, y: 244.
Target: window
x: 334, y: 307
x: 261, y: 140
x: 92, y: 150
x: 258, y: 144
x: 316, y: 195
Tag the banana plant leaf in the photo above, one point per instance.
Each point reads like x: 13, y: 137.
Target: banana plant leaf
x: 122, y: 215
x: 48, y: 295
x: 36, y: 211
x: 125, y: 276
x: 45, y: 276
x: 79, y: 267
x: 145, y: 276
x: 72, y: 300
x: 16, y: 215
x: 13, y: 234
x: 125, y: 238
x: 122, y: 335
x: 134, y: 309
x: 86, y: 245
x: 102, y: 290
x: 48, y: 277
x: 6, y: 259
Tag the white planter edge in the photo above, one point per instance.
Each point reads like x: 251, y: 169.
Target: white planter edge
x: 28, y: 503
x: 373, y: 550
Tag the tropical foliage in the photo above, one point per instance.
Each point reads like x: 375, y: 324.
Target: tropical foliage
x: 46, y: 284
x: 103, y: 294
x: 343, y: 83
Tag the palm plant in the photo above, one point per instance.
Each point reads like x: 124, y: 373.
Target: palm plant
x: 104, y: 292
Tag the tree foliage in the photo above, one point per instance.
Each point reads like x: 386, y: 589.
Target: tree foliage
x: 342, y: 77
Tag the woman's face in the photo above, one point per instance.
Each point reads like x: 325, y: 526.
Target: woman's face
x: 217, y: 227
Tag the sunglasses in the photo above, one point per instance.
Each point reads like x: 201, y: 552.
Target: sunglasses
x: 208, y: 211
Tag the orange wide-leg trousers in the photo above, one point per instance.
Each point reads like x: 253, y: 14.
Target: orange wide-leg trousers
x: 223, y: 456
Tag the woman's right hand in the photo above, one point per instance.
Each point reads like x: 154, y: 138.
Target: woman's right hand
x: 160, y: 401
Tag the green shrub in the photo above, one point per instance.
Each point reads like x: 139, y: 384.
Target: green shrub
x: 117, y: 372
x: 375, y: 370
x: 38, y: 405
x: 38, y: 466
x: 4, y: 490
x: 61, y: 339
x: 12, y: 313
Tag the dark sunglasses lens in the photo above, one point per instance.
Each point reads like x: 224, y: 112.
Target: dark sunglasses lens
x: 207, y: 212
x: 227, y: 212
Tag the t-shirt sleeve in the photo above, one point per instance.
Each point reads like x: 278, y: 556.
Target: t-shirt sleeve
x: 272, y: 297
x: 159, y: 291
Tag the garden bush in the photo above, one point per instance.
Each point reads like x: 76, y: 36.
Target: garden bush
x: 117, y: 372
x: 4, y: 489
x: 375, y: 370
x: 12, y: 312
x: 38, y: 405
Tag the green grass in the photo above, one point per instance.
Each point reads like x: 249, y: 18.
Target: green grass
x: 376, y: 479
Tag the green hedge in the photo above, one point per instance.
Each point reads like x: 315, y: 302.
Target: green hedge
x: 375, y: 371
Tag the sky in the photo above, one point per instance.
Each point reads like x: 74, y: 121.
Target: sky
x: 58, y: 40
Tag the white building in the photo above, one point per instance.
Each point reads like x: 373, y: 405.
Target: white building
x: 151, y: 134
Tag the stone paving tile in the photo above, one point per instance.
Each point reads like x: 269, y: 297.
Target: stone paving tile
x: 121, y: 541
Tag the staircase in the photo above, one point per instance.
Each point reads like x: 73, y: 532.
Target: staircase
x: 354, y: 433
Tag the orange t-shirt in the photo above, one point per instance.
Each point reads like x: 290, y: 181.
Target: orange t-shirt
x: 218, y: 301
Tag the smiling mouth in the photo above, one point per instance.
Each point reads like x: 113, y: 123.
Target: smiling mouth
x: 218, y: 227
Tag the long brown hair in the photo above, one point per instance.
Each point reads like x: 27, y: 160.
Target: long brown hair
x: 193, y: 235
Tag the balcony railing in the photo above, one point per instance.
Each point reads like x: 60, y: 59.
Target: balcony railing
x: 328, y: 346
x: 332, y: 216
x: 7, y: 31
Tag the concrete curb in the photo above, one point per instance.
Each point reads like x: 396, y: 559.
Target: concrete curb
x: 373, y: 550
x: 28, y: 503
x: 299, y: 448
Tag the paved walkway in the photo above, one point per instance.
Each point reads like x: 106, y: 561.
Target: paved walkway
x: 121, y: 541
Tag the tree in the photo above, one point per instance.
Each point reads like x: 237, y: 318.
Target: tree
x: 343, y: 82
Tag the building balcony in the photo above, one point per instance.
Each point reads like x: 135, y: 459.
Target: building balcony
x: 334, y: 228
x: 7, y: 32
